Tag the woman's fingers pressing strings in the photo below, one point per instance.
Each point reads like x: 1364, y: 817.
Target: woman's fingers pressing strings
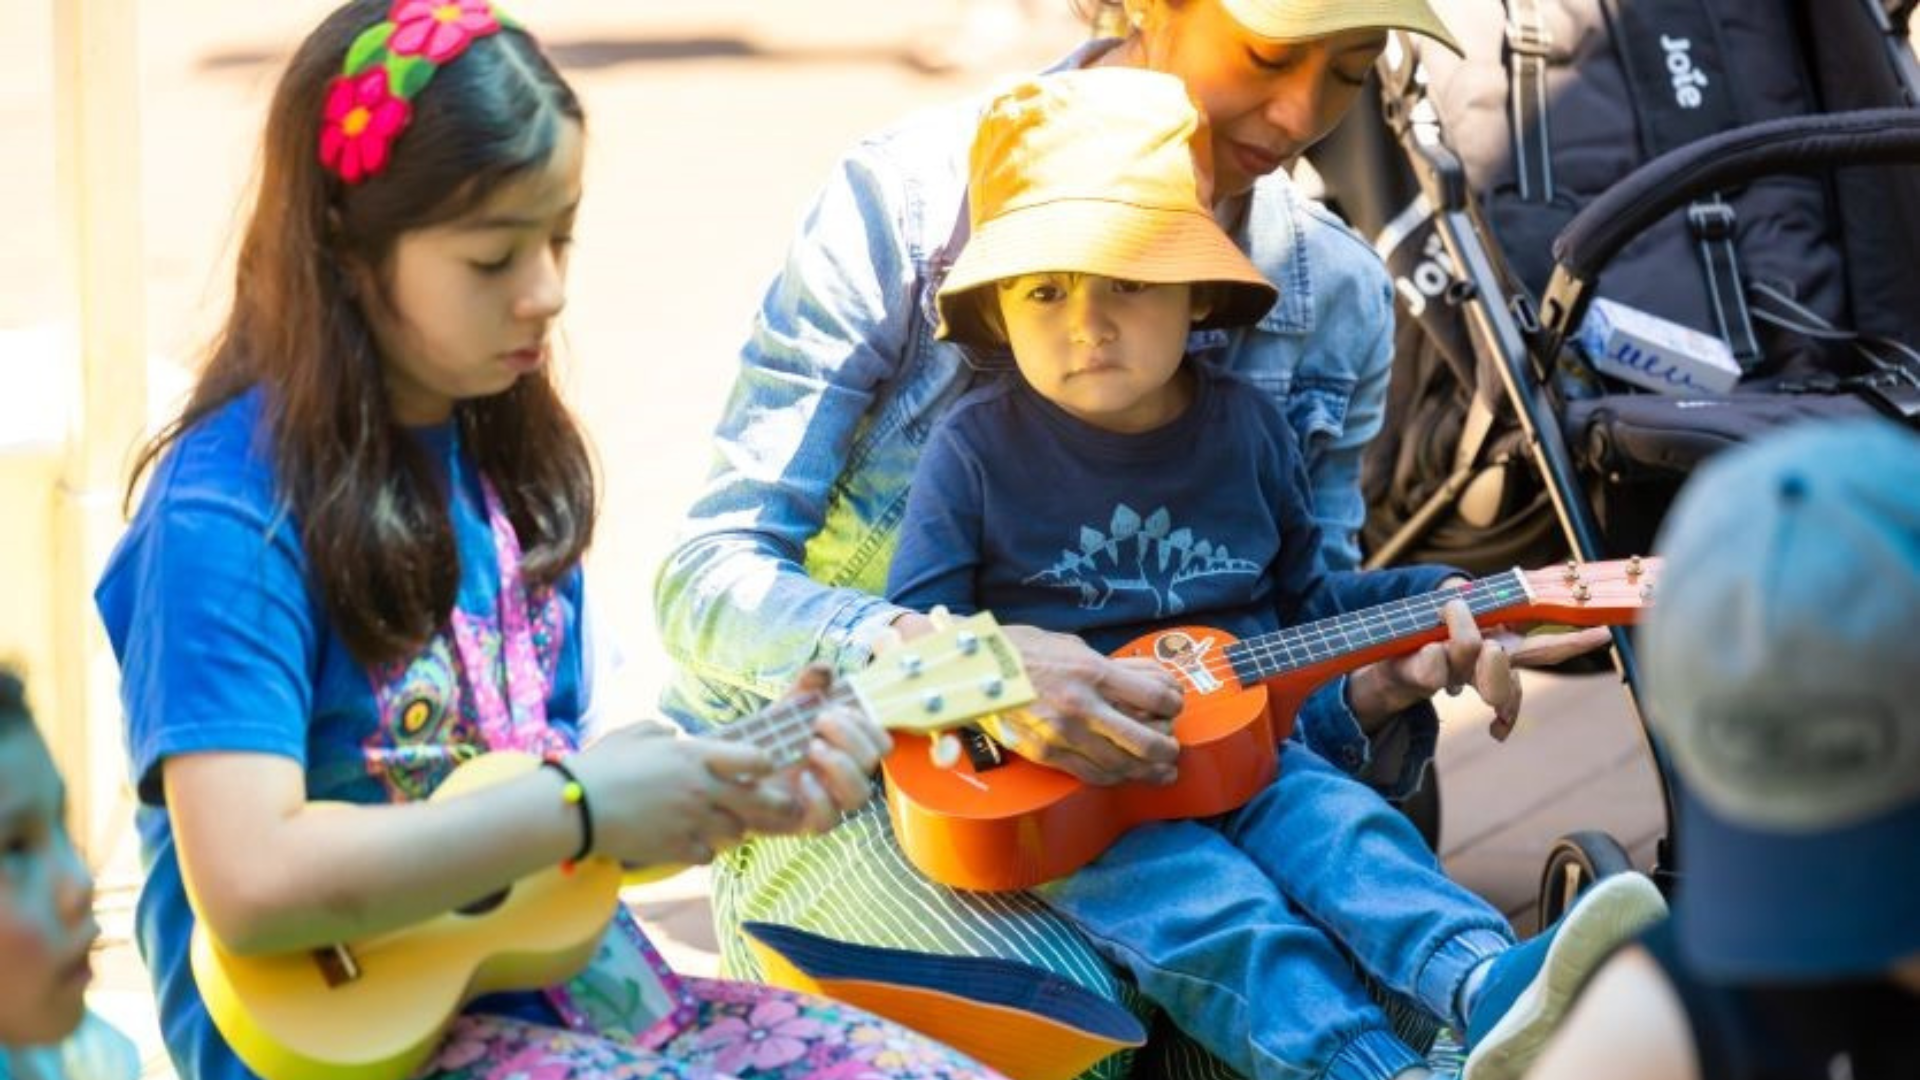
x: 1462, y: 646
x: 1499, y: 686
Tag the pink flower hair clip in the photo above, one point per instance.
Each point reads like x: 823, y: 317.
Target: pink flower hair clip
x: 390, y: 62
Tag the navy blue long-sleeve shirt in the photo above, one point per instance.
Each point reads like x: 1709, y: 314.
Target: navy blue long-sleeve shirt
x: 1022, y: 509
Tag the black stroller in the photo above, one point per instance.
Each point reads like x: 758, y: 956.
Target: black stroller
x: 1772, y: 225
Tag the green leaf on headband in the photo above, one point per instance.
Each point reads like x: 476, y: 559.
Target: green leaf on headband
x: 367, y: 48
x: 407, y: 75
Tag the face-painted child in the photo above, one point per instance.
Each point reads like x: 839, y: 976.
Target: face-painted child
x: 46, y: 893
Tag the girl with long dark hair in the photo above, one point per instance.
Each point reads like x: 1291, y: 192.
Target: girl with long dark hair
x: 357, y: 566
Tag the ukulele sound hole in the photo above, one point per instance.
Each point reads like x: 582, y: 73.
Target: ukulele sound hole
x: 483, y: 905
x: 982, y: 751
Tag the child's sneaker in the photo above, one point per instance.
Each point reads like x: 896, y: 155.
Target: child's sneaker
x: 1528, y: 987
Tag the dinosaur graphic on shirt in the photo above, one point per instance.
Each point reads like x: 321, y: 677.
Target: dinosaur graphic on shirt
x: 1140, y: 555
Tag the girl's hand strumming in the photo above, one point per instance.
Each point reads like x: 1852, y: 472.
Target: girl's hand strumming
x: 659, y: 798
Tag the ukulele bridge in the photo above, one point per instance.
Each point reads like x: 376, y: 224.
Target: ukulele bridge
x: 337, y: 965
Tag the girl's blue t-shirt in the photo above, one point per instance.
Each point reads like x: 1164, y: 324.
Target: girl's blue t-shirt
x: 224, y: 645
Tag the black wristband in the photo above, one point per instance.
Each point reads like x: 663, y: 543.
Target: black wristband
x: 576, y: 793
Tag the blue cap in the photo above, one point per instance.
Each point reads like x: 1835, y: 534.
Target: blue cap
x: 1782, y: 661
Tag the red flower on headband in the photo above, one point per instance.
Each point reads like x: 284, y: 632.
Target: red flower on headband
x: 439, y: 30
x: 362, y: 119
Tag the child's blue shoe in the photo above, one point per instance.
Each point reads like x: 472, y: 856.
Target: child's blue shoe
x: 1529, y: 987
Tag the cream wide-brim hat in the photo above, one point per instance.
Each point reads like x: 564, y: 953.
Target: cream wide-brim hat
x: 1300, y: 20
x: 1096, y: 171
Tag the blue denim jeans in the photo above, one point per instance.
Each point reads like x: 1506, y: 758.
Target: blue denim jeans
x: 1247, y: 928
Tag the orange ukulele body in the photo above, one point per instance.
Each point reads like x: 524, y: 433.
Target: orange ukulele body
x: 1011, y: 824
x: 1017, y: 824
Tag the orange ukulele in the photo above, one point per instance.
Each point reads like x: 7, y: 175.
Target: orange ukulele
x: 995, y: 821
x: 374, y: 1009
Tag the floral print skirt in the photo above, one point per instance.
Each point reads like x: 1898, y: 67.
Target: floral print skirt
x: 740, y: 1031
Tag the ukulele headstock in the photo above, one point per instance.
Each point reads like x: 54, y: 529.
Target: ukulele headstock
x: 963, y: 670
x: 1606, y: 593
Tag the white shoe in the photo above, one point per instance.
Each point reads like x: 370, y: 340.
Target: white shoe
x: 1530, y: 987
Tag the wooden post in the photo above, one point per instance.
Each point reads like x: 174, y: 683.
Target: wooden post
x: 96, y: 74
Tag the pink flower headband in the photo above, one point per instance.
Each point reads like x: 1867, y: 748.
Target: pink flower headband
x: 390, y: 62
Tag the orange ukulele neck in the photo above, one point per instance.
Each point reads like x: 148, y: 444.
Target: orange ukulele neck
x: 1594, y: 594
x: 1347, y: 641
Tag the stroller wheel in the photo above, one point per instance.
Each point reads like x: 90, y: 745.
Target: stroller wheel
x: 1576, y: 861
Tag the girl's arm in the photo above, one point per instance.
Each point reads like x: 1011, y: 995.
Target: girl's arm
x: 271, y: 872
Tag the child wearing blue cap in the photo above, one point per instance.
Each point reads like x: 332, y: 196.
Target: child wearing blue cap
x: 1780, y: 665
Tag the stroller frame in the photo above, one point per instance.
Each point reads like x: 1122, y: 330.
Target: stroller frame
x: 1516, y: 341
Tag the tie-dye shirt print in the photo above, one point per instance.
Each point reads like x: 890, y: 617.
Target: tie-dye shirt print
x: 234, y: 653
x: 428, y: 722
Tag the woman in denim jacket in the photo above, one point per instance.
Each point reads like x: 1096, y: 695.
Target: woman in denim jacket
x: 785, y: 553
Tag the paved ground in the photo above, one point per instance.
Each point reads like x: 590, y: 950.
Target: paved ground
x: 712, y: 122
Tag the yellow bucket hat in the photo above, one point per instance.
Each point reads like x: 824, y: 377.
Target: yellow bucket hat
x: 1098, y: 171
x: 1298, y: 20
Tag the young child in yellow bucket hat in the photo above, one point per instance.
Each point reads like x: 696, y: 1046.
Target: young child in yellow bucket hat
x: 1113, y: 486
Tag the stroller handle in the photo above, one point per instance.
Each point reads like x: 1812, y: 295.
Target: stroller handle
x: 1675, y: 178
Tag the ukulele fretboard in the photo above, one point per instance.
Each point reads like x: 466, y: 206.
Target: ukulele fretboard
x: 1260, y: 658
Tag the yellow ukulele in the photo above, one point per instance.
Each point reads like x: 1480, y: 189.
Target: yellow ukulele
x: 375, y: 1009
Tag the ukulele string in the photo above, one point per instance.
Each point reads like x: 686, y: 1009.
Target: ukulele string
x: 1325, y: 639
x: 784, y: 727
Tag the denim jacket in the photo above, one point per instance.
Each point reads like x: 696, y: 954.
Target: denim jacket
x: 784, y: 554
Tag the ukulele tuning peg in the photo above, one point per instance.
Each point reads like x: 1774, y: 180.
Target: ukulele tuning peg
x: 940, y: 617
x: 1582, y: 593
x: 1572, y: 573
x: 993, y: 686
x: 1635, y: 568
x: 944, y: 750
x: 911, y: 664
x: 933, y: 702
x: 1646, y: 591
x: 968, y: 642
